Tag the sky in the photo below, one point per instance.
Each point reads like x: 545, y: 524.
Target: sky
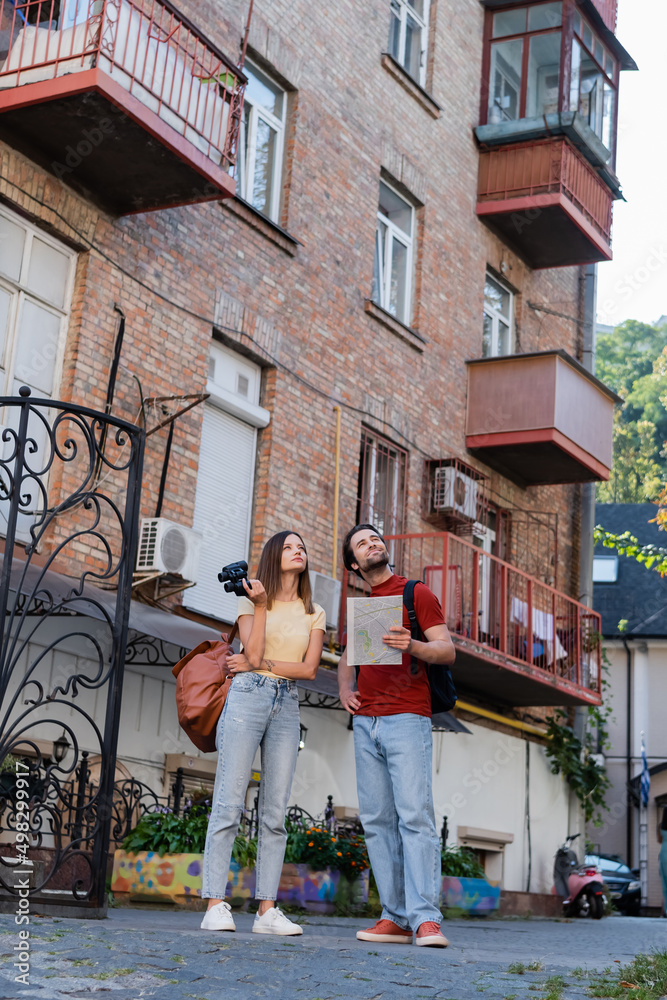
x: 634, y: 284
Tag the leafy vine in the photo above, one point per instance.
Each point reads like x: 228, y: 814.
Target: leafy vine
x: 578, y: 760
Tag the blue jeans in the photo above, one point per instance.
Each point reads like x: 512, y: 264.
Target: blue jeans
x: 393, y: 754
x: 259, y: 712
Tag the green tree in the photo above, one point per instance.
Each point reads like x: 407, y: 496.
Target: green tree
x: 633, y: 361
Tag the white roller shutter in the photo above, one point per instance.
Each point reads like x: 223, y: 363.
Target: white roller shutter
x: 223, y: 504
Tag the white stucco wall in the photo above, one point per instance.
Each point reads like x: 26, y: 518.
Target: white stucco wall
x: 479, y: 780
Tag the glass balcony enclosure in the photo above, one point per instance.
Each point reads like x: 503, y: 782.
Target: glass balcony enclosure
x: 548, y: 57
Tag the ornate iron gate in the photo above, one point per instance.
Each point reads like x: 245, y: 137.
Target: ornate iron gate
x: 70, y: 481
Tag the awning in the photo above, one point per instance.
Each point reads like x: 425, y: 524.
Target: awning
x: 445, y: 722
x: 45, y: 585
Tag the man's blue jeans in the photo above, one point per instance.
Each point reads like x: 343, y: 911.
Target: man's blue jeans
x: 259, y: 712
x: 394, y: 756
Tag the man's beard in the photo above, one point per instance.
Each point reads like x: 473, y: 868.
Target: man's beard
x: 374, y: 561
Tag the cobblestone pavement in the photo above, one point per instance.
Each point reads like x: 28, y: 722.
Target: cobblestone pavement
x: 135, y: 955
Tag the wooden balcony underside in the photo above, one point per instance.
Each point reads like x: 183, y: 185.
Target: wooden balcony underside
x: 482, y: 672
x: 107, y: 145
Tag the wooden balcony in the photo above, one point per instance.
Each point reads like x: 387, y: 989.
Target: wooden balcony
x: 130, y: 105
x: 518, y: 641
x: 546, y: 201
x: 540, y: 418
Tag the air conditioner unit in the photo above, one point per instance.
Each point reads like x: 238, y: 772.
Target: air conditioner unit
x: 454, y: 493
x: 168, y: 547
x: 326, y: 593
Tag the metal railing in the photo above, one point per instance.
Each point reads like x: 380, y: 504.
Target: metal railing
x: 495, y: 606
x: 146, y: 46
x: 546, y: 166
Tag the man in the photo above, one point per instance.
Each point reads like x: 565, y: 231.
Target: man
x: 393, y: 753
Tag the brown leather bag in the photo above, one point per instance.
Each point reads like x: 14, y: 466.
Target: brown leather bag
x: 202, y: 683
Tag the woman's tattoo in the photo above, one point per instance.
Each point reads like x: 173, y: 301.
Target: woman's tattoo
x: 270, y: 665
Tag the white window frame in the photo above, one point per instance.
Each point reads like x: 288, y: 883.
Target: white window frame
x: 20, y: 292
x: 405, y: 9
x: 384, y: 272
x: 497, y: 317
x: 246, y: 170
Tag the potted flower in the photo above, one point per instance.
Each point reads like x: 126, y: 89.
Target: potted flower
x: 464, y: 884
x: 163, y: 856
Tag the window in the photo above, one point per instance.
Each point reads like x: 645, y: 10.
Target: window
x: 382, y: 475
x: 524, y: 80
x: 408, y: 36
x: 36, y: 277
x: 592, y: 82
x: 261, y: 143
x: 605, y: 569
x: 392, y: 269
x: 498, y: 337
x: 525, y: 71
x: 226, y: 476
x: 36, y: 274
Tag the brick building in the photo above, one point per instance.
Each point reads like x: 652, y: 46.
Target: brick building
x: 403, y: 279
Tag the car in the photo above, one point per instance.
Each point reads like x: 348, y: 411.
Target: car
x: 623, y: 882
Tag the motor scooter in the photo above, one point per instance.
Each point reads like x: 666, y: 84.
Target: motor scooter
x: 581, y: 886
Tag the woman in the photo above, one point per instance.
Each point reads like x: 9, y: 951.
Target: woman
x: 282, y: 632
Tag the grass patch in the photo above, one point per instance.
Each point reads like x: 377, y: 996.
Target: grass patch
x: 178, y: 958
x: 535, y: 966
x: 82, y: 961
x: 517, y: 968
x: 112, y: 973
x: 645, y: 978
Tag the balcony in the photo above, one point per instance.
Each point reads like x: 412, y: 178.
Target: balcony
x: 518, y: 641
x: 540, y: 418
x: 547, y: 201
x: 124, y: 100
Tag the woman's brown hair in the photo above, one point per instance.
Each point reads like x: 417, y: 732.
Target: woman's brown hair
x: 269, y: 571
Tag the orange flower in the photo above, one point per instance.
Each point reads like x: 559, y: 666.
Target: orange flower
x: 339, y: 854
x: 310, y: 844
x: 353, y: 863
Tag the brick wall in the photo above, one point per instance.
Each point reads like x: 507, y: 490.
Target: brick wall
x: 301, y: 309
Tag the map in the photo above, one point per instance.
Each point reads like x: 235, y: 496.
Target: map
x: 368, y: 619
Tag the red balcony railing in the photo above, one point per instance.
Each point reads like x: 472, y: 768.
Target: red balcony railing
x: 131, y: 51
x: 518, y: 640
x: 548, y: 194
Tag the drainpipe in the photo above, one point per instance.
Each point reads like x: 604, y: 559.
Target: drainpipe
x: 588, y: 489
x: 628, y: 754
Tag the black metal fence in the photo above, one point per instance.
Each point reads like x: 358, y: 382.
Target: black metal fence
x: 70, y: 480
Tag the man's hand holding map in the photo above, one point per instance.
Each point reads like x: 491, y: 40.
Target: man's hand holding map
x: 368, y: 619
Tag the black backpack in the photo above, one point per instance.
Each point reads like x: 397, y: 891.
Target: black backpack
x: 443, y: 692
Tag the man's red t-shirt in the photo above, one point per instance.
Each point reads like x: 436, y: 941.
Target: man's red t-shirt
x: 389, y: 689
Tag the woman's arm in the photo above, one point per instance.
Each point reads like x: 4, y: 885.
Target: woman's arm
x: 307, y: 669
x: 252, y: 631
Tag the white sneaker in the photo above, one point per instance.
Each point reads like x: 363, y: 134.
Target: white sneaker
x: 274, y: 921
x: 219, y: 918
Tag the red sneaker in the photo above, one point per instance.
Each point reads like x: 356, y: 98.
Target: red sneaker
x: 386, y: 932
x: 429, y: 935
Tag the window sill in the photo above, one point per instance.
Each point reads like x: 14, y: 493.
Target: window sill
x: 406, y: 81
x: 271, y: 230
x: 407, y: 334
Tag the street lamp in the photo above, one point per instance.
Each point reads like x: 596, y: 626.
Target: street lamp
x: 302, y: 736
x: 60, y: 748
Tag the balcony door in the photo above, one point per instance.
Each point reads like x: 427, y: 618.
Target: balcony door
x: 487, y: 583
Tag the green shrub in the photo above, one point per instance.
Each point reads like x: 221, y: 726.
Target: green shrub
x: 460, y: 862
